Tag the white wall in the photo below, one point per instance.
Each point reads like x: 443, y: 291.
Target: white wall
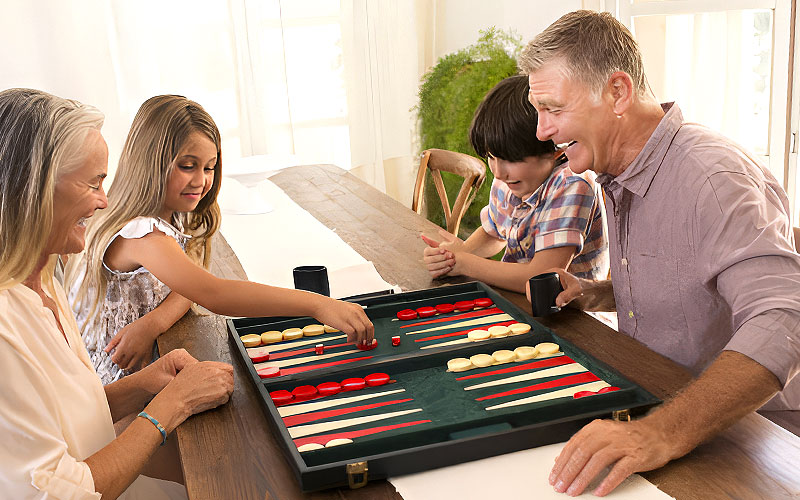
x: 458, y: 21
x: 63, y: 50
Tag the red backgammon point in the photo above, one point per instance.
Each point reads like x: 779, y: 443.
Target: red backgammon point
x: 375, y: 379
x: 407, y: 314
x: 353, y: 384
x: 581, y: 394
x: 396, y: 340
x: 281, y: 397
x: 258, y: 357
x: 426, y: 312
x: 329, y: 388
x: 319, y: 349
x: 268, y: 372
x: 304, y: 392
x: 465, y: 305
x: 483, y: 302
x: 608, y: 389
x: 368, y: 347
x: 445, y: 308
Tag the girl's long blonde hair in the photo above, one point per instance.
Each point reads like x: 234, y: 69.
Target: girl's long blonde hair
x: 158, y: 133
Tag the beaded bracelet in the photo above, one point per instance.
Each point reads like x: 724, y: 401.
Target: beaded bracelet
x: 157, y: 424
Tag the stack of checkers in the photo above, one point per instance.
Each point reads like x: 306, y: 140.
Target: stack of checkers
x: 273, y: 336
x: 521, y: 353
x: 460, y: 306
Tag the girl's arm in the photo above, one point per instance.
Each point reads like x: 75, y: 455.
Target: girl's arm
x: 134, y: 342
x: 164, y: 258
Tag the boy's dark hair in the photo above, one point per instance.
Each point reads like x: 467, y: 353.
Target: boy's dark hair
x: 505, y: 122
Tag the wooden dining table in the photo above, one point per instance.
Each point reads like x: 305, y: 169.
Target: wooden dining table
x: 231, y: 453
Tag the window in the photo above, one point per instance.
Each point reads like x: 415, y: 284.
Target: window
x: 726, y: 63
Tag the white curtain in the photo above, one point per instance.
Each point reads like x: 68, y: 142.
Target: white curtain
x: 320, y: 81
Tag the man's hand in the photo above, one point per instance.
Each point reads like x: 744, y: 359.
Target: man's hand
x: 440, y: 256
x: 133, y: 345
x: 626, y: 447
x: 583, y: 294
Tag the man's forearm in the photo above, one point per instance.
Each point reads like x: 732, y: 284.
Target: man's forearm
x: 733, y: 386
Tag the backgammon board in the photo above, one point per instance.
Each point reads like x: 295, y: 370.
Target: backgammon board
x: 458, y: 373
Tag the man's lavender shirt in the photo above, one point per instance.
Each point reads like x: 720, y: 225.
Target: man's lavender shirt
x: 702, y: 256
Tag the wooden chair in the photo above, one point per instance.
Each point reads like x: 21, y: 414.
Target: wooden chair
x: 470, y: 168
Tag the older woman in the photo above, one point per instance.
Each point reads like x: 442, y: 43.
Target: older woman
x: 56, y: 418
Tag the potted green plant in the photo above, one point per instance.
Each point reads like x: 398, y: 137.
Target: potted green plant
x: 448, y: 97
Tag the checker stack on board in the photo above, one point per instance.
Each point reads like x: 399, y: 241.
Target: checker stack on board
x: 455, y: 372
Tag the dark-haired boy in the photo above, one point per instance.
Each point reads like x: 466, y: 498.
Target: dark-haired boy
x: 543, y: 214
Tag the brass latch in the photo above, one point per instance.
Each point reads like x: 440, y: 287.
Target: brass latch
x: 354, y: 471
x: 621, y: 415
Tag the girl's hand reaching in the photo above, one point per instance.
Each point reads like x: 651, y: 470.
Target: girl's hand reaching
x: 347, y: 317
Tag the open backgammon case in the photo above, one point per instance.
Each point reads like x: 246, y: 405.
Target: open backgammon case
x: 345, y: 415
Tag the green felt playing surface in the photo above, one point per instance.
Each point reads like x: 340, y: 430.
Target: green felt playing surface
x: 450, y: 424
x: 454, y: 412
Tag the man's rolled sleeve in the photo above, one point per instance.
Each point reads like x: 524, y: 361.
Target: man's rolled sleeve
x: 771, y: 340
x: 743, y: 250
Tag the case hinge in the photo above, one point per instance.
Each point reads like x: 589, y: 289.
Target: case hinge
x: 357, y: 474
x: 621, y: 415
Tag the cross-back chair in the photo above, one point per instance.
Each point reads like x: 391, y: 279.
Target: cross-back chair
x: 471, y: 169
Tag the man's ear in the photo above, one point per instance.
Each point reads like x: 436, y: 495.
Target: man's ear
x: 620, y: 89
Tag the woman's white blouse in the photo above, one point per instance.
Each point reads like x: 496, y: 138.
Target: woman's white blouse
x: 53, y: 408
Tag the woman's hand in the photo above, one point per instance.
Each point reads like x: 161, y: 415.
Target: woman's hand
x: 156, y: 376
x: 347, y: 317
x: 132, y: 346
x: 196, y: 386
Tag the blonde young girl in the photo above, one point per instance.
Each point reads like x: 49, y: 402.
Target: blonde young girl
x: 147, y: 248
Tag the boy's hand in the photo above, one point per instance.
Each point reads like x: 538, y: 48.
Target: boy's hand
x: 439, y: 256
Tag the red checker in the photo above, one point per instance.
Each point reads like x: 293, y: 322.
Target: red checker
x: 376, y: 379
x: 304, y: 392
x: 329, y: 388
x: 353, y: 384
x: 396, y: 340
x: 608, y: 389
x: 581, y: 394
x: 445, y: 308
x: 484, y: 302
x: 426, y: 312
x: 268, y: 372
x: 407, y: 314
x: 368, y: 347
x: 281, y: 397
x: 465, y: 305
x: 259, y: 358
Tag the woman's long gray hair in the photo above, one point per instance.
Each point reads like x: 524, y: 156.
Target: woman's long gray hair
x: 41, y: 138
